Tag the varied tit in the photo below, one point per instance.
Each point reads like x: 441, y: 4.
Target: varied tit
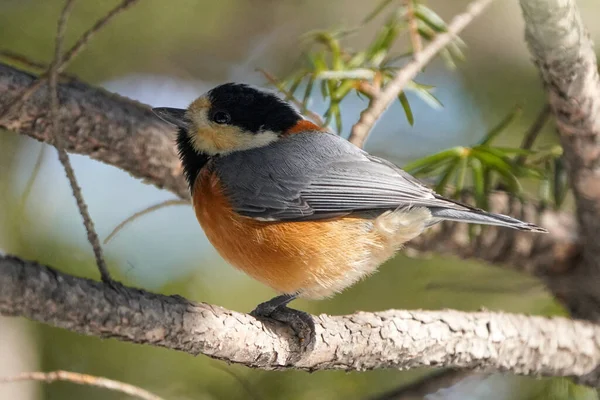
x: 298, y: 208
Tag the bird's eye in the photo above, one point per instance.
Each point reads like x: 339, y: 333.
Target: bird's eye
x: 221, y: 117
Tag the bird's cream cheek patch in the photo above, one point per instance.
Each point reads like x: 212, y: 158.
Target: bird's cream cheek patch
x: 211, y: 138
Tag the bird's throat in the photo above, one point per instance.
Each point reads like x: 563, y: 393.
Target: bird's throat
x: 191, y: 160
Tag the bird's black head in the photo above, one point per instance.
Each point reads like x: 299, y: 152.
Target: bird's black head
x: 250, y: 109
x: 228, y: 118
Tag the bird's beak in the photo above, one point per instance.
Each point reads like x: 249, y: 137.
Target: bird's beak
x: 175, y: 116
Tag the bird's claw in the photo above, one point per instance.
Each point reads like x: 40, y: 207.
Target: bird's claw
x: 301, y: 322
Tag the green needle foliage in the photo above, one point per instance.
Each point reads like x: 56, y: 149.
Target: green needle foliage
x: 338, y: 71
x: 490, y: 167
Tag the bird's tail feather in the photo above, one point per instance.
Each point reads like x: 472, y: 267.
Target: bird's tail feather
x: 475, y: 216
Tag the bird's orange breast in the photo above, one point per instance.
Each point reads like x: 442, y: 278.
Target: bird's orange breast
x: 314, y: 258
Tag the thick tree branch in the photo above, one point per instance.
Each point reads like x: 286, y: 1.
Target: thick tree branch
x: 125, y: 134
x: 99, y: 124
x: 564, y: 54
x: 361, y: 341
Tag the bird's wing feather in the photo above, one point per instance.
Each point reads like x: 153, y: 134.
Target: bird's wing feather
x: 314, y: 175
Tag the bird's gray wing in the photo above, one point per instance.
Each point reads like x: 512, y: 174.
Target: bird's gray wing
x: 314, y: 175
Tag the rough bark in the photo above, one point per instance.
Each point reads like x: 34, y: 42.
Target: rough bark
x: 99, y: 124
x: 361, y: 341
x: 564, y: 54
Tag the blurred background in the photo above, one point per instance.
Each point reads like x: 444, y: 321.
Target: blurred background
x: 166, y: 54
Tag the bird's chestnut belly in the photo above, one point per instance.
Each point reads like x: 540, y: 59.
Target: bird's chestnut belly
x: 313, y: 258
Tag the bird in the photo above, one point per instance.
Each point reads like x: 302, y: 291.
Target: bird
x: 295, y: 206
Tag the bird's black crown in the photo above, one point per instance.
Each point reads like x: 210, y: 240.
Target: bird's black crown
x: 252, y: 109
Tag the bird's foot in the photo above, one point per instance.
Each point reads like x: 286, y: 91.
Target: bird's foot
x: 301, y: 322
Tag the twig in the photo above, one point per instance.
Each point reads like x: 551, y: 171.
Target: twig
x: 68, y: 57
x: 274, y: 81
x: 168, y: 203
x: 34, y: 64
x: 83, y: 379
x: 358, y: 73
x: 62, y: 153
x: 34, y: 174
x: 413, y: 29
x: 421, y: 387
x: 534, y: 131
x: 239, y: 379
x: 382, y: 101
x: 20, y: 58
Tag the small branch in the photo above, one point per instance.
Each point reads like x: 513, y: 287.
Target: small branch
x: 361, y: 341
x: 147, y: 210
x: 82, y: 379
x: 533, y: 132
x: 359, y: 73
x: 275, y: 82
x: 34, y: 174
x: 21, y: 59
x: 90, y: 33
x: 242, y: 380
x: 413, y: 28
x: 428, y: 384
x: 382, y: 101
x: 62, y: 153
x: 536, y: 128
x: 68, y: 57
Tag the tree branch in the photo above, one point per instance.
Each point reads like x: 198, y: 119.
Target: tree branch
x: 384, y: 98
x: 68, y: 57
x: 63, y: 157
x: 565, y: 57
x: 428, y: 384
x: 104, y: 126
x: 361, y: 341
x: 83, y: 379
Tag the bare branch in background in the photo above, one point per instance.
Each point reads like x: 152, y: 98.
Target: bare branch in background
x: 63, y: 157
x: 274, y: 81
x: 533, y: 132
x: 21, y: 59
x: 147, y: 210
x: 564, y: 54
x: 362, y: 341
x: 82, y: 379
x: 383, y: 99
x: 413, y: 28
x: 421, y: 387
x: 77, y: 48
